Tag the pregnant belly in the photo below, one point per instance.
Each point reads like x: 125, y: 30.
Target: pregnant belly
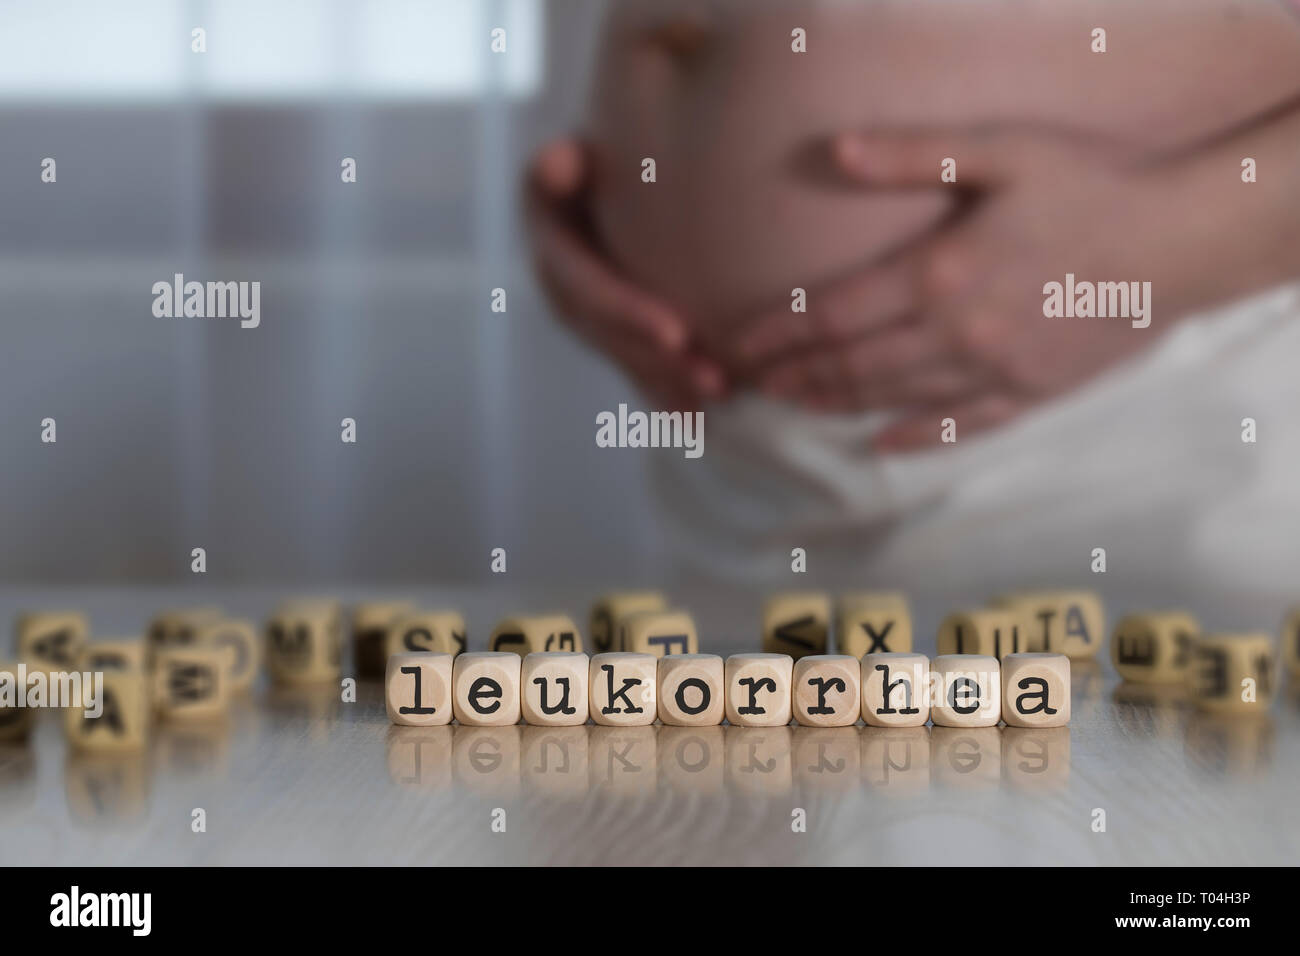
x: 739, y: 212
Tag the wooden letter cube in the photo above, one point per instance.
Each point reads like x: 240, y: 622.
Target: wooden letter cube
x: 122, y: 721
x: 878, y: 623
x: 1036, y: 690
x: 238, y: 640
x: 370, y: 624
x: 555, y: 688
x: 759, y: 689
x: 177, y: 627
x: 15, y: 721
x: 190, y: 682
x: 827, y: 690
x: 658, y: 633
x: 114, y: 655
x: 1154, y: 648
x: 895, y: 690
x: 485, y: 689
x: 985, y: 632
x: 1072, y: 623
x: 534, y: 634
x: 304, y: 643
x: 966, y: 691
x: 690, y: 690
x: 1291, y: 642
x: 1233, y: 673
x: 51, y: 641
x: 796, y: 624
x: 417, y: 689
x: 622, y: 689
x: 607, y: 612
x: 440, y: 632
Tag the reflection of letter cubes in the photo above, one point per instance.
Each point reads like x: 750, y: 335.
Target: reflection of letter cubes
x: 51, y: 641
x: 239, y: 641
x: 439, y: 632
x: 1154, y: 648
x: 1036, y: 690
x: 895, y: 690
x: 607, y: 612
x: 370, y: 623
x: 15, y: 721
x: 554, y: 689
x: 304, y: 643
x: 827, y: 690
x: 869, y: 623
x: 796, y: 624
x: 1232, y: 672
x: 535, y: 634
x: 690, y: 690
x: 190, y: 682
x: 622, y: 688
x: 989, y: 633
x: 658, y: 633
x: 485, y: 688
x: 758, y: 689
x: 1291, y: 642
x: 116, y: 655
x: 417, y: 689
x: 123, y: 720
x: 966, y: 691
x: 1072, y: 623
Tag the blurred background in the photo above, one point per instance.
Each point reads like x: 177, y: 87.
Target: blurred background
x: 474, y: 428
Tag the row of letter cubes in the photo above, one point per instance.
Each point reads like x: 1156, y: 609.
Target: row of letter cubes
x: 560, y: 688
x: 189, y: 666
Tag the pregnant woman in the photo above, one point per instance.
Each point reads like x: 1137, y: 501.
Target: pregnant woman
x: 1114, y: 156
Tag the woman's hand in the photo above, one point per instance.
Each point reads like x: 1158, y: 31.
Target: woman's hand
x: 954, y: 326
x: 647, y: 339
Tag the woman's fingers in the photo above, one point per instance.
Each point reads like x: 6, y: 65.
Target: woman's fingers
x: 922, y: 428
x: 840, y: 313
x: 890, y: 356
x: 972, y: 158
x: 674, y: 380
x: 559, y: 168
x: 584, y: 285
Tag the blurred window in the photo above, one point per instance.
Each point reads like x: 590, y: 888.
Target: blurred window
x: 267, y: 49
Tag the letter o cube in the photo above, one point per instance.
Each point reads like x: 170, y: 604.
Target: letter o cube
x: 690, y: 690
